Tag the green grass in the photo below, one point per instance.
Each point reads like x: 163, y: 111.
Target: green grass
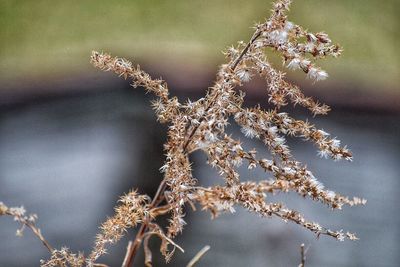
x: 42, y: 38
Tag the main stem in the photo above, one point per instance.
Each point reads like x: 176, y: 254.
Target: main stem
x: 132, y: 250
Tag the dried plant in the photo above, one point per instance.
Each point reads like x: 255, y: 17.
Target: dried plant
x: 201, y: 125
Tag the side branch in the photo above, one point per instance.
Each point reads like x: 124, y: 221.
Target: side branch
x: 26, y: 221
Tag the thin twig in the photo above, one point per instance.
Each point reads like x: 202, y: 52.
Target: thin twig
x: 244, y: 51
x: 161, y: 210
x: 197, y: 257
x: 235, y: 64
x: 126, y: 258
x: 303, y: 256
x: 148, y: 262
x: 36, y: 231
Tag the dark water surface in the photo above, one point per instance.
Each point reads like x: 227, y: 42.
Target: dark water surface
x: 69, y: 159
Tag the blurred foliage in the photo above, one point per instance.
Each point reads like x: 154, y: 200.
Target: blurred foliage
x: 42, y: 38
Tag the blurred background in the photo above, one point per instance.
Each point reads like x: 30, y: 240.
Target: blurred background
x: 72, y: 138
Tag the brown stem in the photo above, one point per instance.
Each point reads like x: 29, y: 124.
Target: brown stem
x: 303, y: 256
x: 148, y: 262
x: 235, y: 64
x: 126, y: 258
x: 244, y: 51
x: 132, y: 250
x: 197, y: 257
x: 35, y: 230
x: 160, y: 210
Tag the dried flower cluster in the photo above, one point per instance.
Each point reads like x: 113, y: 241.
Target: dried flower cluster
x: 201, y: 125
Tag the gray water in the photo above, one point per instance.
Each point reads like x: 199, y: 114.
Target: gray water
x: 68, y: 159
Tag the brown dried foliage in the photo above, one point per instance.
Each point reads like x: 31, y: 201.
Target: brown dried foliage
x: 201, y: 125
